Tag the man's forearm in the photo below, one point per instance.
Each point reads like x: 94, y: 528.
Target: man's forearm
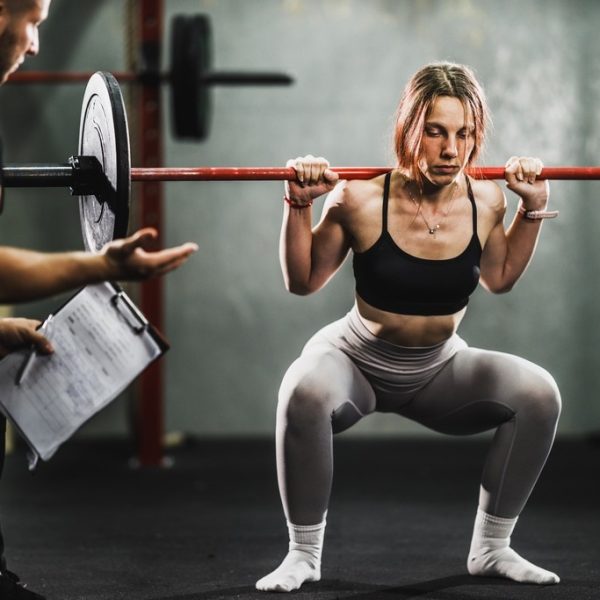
x: 27, y: 275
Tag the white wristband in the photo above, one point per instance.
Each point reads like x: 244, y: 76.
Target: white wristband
x: 537, y: 215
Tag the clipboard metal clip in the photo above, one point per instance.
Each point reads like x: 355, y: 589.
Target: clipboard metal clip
x: 130, y: 312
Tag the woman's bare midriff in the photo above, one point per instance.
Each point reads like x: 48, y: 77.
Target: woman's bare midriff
x: 408, y: 330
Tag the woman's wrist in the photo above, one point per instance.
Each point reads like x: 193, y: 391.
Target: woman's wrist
x: 295, y: 204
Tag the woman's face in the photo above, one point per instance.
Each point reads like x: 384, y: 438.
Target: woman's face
x: 447, y: 142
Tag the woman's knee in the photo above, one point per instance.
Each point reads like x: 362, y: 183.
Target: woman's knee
x: 303, y: 401
x: 311, y: 388
x: 542, y: 397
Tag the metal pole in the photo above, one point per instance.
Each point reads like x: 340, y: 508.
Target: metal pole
x: 53, y: 77
x: 150, y: 387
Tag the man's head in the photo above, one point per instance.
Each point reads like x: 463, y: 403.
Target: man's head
x: 19, y: 22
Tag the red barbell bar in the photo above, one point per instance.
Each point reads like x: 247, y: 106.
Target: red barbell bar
x: 65, y: 175
x: 288, y: 173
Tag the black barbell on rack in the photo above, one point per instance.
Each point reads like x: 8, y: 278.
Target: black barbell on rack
x: 101, y: 174
x: 190, y: 77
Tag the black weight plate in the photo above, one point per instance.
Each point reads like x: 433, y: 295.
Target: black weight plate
x: 191, y: 59
x: 103, y: 133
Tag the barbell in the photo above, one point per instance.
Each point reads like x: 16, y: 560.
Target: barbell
x: 190, y: 77
x: 101, y: 174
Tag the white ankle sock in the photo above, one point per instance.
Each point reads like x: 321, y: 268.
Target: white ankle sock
x: 492, y: 556
x: 302, y: 563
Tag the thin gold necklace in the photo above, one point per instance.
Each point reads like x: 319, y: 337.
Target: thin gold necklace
x: 432, y: 229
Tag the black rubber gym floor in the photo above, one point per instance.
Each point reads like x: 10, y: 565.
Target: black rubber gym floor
x: 88, y: 527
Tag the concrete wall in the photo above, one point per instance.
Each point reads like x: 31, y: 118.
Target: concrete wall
x: 233, y: 328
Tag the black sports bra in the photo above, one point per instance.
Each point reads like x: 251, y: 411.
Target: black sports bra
x: 390, y: 279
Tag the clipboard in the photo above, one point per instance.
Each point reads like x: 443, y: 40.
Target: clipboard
x: 102, y: 342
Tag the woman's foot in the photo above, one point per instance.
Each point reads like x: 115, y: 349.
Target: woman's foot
x: 505, y: 562
x: 297, y: 567
x: 492, y: 556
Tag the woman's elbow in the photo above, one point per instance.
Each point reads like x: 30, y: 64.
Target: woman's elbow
x: 298, y: 289
x: 498, y: 287
x: 503, y: 289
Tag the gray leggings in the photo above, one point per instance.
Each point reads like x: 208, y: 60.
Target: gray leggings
x: 346, y: 373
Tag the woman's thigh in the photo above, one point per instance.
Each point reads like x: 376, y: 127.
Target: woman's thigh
x: 480, y: 389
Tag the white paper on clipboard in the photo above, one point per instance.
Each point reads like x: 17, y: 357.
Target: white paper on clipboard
x: 101, y: 344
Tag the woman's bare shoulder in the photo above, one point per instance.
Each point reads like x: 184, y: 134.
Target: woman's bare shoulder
x: 352, y: 194
x: 489, y: 195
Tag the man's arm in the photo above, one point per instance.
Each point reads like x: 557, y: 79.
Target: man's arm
x: 27, y: 275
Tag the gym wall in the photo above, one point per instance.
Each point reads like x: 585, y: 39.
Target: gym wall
x: 233, y: 328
